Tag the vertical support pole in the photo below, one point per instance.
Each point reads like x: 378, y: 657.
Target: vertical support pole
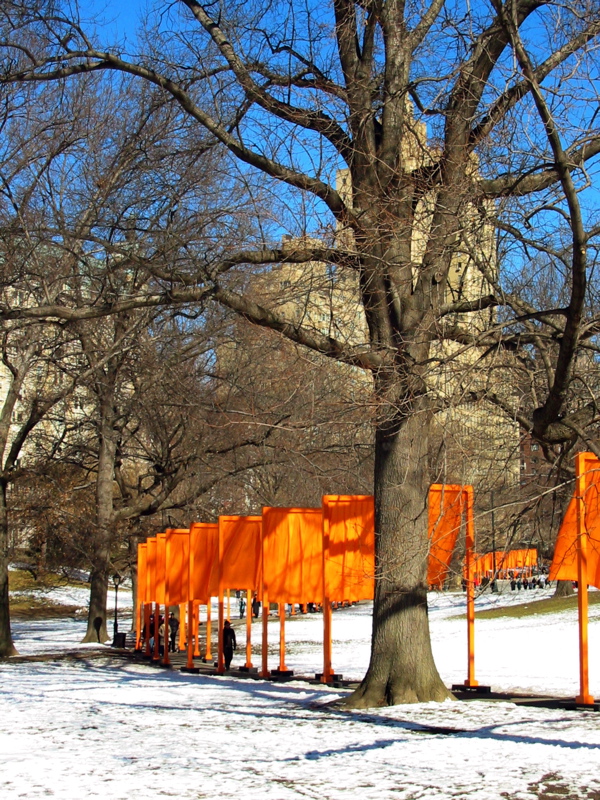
x: 265, y: 636
x: 220, y: 654
x: 282, y: 666
x: 228, y: 604
x: 196, y: 628
x: 293, y: 611
x: 470, y: 547
x: 138, y: 624
x: 190, y: 634
x: 327, y: 668
x: 584, y: 696
x: 155, y: 654
x: 181, y: 645
x: 147, y: 612
x: 166, y: 662
x: 248, y: 663
x: 208, y: 655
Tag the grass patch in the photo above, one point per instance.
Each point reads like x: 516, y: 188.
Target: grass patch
x: 24, y: 607
x: 551, y: 605
x: 25, y: 603
x: 20, y: 580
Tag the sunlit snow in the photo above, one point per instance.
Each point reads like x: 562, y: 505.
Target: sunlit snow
x: 103, y: 727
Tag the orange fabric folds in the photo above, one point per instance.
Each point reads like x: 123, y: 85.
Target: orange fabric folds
x: 240, y: 552
x: 564, y: 563
x: 505, y: 561
x: 161, y: 564
x: 204, y: 555
x: 349, y: 547
x: 177, y: 562
x: 446, y: 506
x: 150, y: 570
x: 141, y: 573
x: 293, y: 554
x: 518, y: 559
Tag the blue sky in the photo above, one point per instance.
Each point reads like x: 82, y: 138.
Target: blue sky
x: 119, y: 18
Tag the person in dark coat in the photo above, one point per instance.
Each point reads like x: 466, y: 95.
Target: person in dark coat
x: 255, y: 606
x: 173, y: 631
x: 229, y: 643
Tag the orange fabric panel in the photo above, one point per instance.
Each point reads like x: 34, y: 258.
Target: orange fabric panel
x: 204, y: 555
x: 141, y: 573
x: 240, y: 552
x: 446, y: 505
x: 349, y: 547
x: 564, y: 563
x: 161, y: 564
x: 177, y: 560
x: 293, y: 554
x: 531, y: 559
x: 150, y: 569
x: 512, y: 559
x: 517, y: 559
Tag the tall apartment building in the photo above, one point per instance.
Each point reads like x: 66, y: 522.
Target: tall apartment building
x: 480, y: 443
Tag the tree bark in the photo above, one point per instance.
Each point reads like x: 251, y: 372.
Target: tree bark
x: 7, y: 647
x: 563, y: 589
x: 133, y: 571
x: 96, y: 627
x: 402, y: 669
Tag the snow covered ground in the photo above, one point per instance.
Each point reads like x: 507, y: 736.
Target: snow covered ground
x: 105, y: 728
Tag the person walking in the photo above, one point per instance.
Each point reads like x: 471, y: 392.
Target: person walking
x: 173, y: 631
x: 229, y: 643
x: 161, y: 636
x: 242, y: 607
x: 255, y: 606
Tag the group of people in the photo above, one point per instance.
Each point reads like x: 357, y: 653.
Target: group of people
x: 173, y: 624
x: 518, y: 582
x: 255, y: 606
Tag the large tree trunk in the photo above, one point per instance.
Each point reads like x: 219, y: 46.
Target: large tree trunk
x: 7, y: 647
x: 96, y: 627
x: 563, y: 589
x: 402, y: 669
x: 133, y: 548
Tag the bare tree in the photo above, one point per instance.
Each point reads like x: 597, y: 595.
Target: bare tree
x: 491, y: 123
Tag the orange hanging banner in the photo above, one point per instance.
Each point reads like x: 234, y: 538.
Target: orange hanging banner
x: 204, y: 555
x: 348, y: 547
x: 293, y: 554
x: 177, y: 562
x: 177, y: 558
x: 446, y: 504
x: 564, y: 562
x: 239, y: 552
x: 151, y: 570
x: 577, y: 553
x: 161, y: 565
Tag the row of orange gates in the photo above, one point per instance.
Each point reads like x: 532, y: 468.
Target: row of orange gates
x: 288, y: 555
x: 326, y: 555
